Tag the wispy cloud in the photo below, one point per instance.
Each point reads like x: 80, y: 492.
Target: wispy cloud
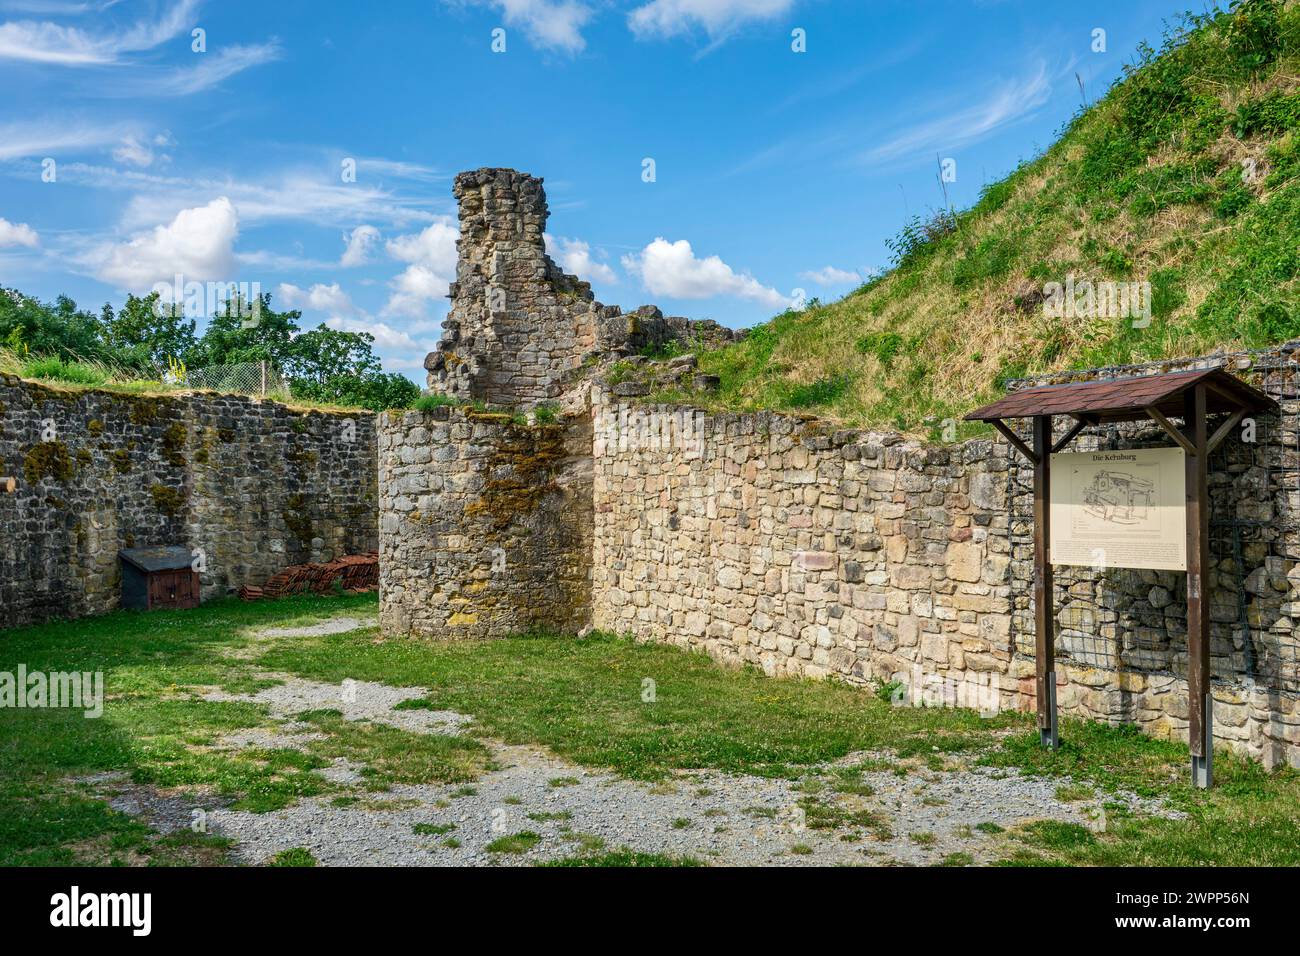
x: 830, y: 275
x: 286, y: 195
x: 1011, y: 102
x: 52, y: 136
x: 208, y: 70
x: 44, y: 41
x: 717, y: 19
x: 548, y: 24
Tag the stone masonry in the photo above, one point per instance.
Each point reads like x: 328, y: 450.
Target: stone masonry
x: 519, y: 328
x: 807, y: 550
x: 791, y: 544
x: 249, y: 486
x: 485, y: 525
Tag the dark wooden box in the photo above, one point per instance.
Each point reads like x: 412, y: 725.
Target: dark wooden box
x: 159, y: 577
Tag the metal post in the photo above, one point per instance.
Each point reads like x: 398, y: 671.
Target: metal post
x: 1044, y: 618
x: 1200, y: 731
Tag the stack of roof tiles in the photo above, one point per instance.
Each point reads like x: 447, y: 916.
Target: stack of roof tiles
x: 353, y: 574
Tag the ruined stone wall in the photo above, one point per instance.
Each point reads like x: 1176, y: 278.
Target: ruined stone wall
x: 485, y: 526
x: 253, y: 485
x: 806, y: 550
x: 519, y: 328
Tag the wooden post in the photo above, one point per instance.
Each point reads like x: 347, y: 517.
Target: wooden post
x: 1200, y: 714
x: 1044, y: 617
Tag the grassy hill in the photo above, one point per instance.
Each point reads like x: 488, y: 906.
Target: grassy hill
x: 1185, y: 176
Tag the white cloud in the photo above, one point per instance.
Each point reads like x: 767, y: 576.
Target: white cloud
x: 574, y: 256
x: 717, y: 18
x: 360, y: 241
x: 132, y: 152
x: 320, y: 298
x: 285, y: 195
x: 17, y: 234
x: 434, y: 247
x: 50, y: 137
x: 671, y: 269
x: 829, y: 275
x: 431, y: 255
x: 208, y: 70
x: 1007, y: 104
x: 198, y: 244
x: 46, y: 42
x: 387, y: 338
x: 549, y: 24
x: 413, y: 289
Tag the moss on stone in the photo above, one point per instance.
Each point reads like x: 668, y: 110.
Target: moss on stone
x: 144, y: 410
x: 173, y: 444
x: 226, y: 435
x: 49, y: 459
x: 521, y: 469
x: 95, y: 427
x: 168, y: 500
x: 121, y: 459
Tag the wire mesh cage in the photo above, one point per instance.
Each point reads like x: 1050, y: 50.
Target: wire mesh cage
x: 1122, y: 619
x: 244, y: 378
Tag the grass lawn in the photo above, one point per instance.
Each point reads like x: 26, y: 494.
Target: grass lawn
x: 585, y: 700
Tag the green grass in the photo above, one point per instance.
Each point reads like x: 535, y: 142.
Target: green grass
x: 433, y: 829
x: 520, y: 842
x: 581, y: 700
x: 1146, y: 185
x: 297, y: 856
x: 153, y: 730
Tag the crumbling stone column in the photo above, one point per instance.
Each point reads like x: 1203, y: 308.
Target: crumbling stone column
x: 517, y: 324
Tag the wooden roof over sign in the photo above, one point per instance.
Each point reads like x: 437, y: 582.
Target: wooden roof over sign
x: 1128, y: 399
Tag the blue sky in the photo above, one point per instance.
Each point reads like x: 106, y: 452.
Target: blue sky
x: 774, y: 170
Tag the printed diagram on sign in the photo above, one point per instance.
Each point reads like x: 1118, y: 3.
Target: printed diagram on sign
x: 1126, y: 505
x: 1119, y: 497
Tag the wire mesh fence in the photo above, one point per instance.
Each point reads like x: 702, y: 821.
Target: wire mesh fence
x: 1136, y: 620
x: 245, y: 378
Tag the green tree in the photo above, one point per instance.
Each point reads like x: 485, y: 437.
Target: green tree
x: 247, y: 332
x: 324, y: 353
x: 330, y: 365
x: 145, y: 332
x: 57, y: 328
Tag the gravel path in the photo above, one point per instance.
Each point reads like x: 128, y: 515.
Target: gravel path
x: 904, y: 813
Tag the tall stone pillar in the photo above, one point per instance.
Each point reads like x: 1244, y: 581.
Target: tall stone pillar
x: 517, y: 324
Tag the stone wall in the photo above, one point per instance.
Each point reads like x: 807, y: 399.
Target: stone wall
x: 485, y: 526
x: 807, y: 550
x: 252, y: 485
x: 519, y: 328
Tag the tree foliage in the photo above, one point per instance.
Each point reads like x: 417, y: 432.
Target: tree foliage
x: 144, y: 335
